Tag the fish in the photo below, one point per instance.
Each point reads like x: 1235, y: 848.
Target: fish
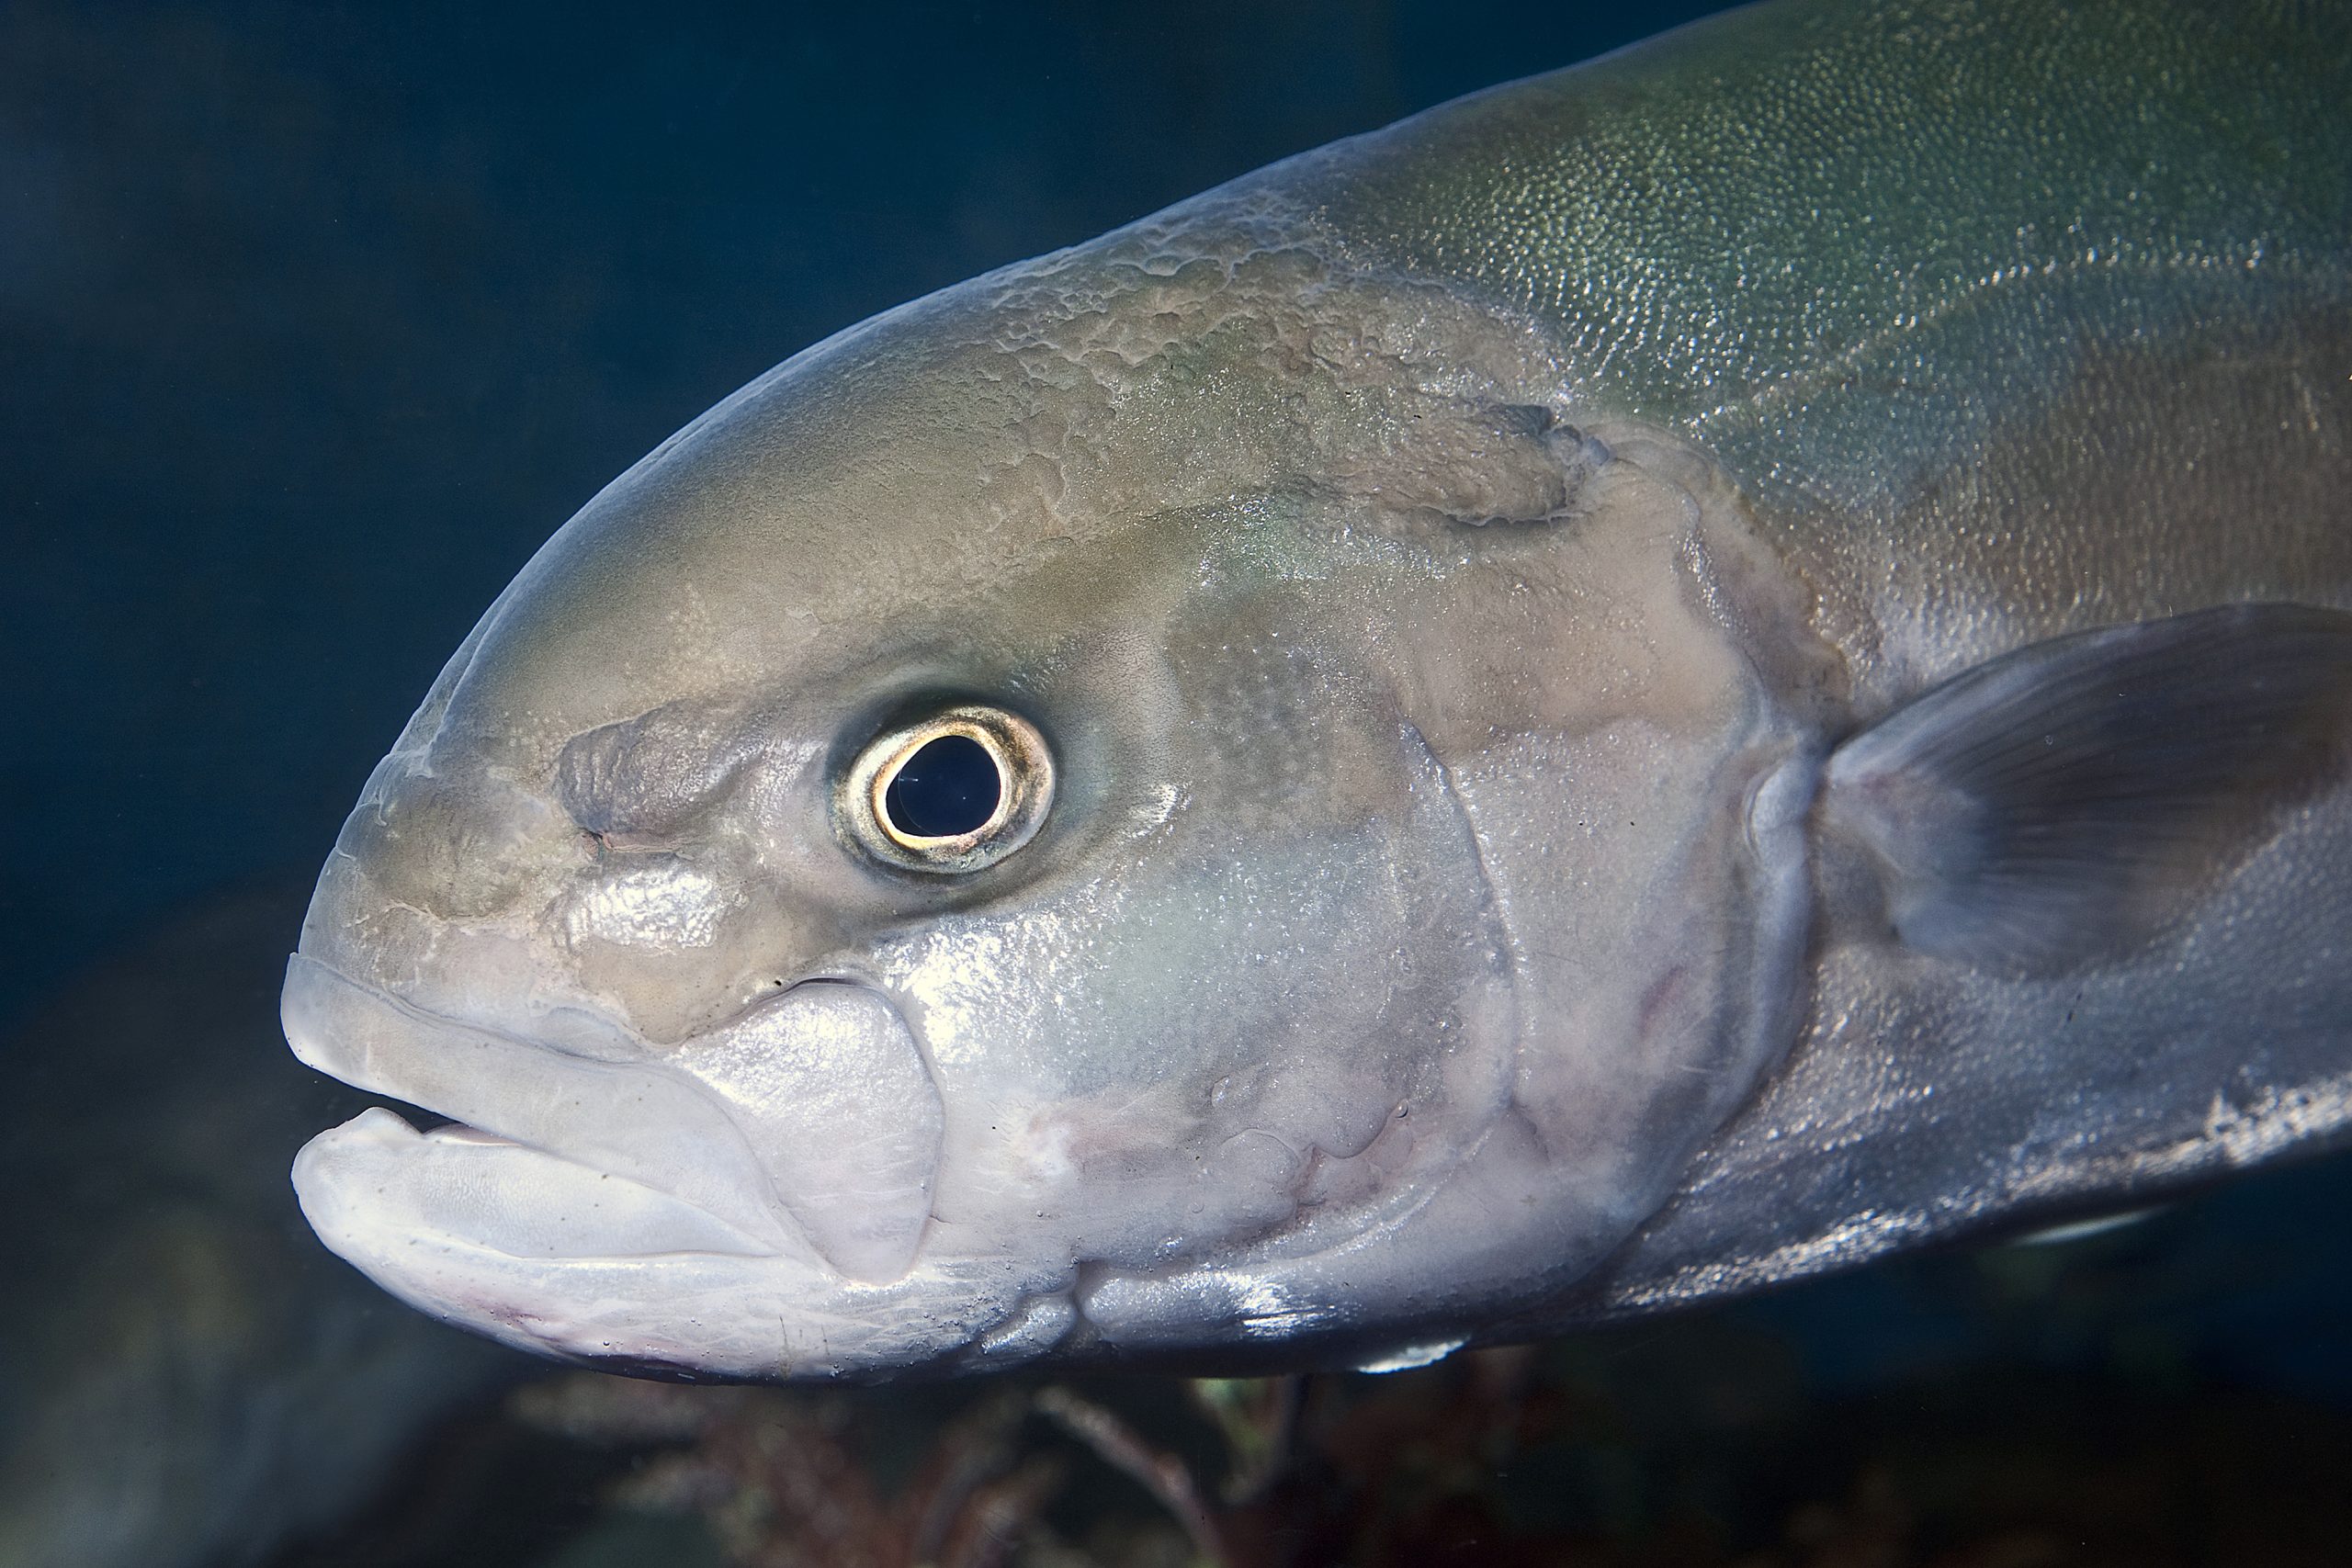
x: 1660, y: 679
x: 186, y: 1382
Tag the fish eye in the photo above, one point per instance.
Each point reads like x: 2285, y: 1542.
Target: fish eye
x: 952, y: 792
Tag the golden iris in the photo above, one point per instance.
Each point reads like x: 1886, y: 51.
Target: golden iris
x: 952, y: 792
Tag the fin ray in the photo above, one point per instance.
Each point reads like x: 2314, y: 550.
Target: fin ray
x: 2059, y: 802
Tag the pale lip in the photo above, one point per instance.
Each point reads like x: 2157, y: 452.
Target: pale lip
x: 807, y: 1128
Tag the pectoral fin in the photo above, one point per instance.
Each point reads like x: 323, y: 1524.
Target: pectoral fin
x: 2062, y: 803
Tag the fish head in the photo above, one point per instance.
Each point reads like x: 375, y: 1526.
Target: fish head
x: 969, y: 826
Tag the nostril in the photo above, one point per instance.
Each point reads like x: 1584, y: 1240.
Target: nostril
x: 643, y: 778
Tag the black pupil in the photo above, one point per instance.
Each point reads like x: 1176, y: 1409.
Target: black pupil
x: 949, y: 787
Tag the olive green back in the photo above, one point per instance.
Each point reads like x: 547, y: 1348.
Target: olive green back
x: 2009, y: 317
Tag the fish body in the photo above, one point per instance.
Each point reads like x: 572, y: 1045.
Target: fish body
x: 1649, y: 682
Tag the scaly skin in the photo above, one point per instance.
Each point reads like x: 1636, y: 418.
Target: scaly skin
x: 2010, y: 320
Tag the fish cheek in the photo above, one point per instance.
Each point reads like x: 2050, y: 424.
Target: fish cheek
x: 1169, y: 1055
x: 1252, y: 942
x: 1382, y: 1058
x: 1337, y: 868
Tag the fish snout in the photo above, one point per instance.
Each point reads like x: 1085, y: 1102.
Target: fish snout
x: 448, y: 843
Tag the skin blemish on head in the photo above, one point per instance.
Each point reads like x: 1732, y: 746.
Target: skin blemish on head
x: 664, y: 904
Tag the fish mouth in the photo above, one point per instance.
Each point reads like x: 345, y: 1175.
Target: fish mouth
x: 805, y: 1131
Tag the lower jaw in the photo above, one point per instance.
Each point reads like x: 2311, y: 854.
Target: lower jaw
x: 643, y: 1282
x: 377, y: 1179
